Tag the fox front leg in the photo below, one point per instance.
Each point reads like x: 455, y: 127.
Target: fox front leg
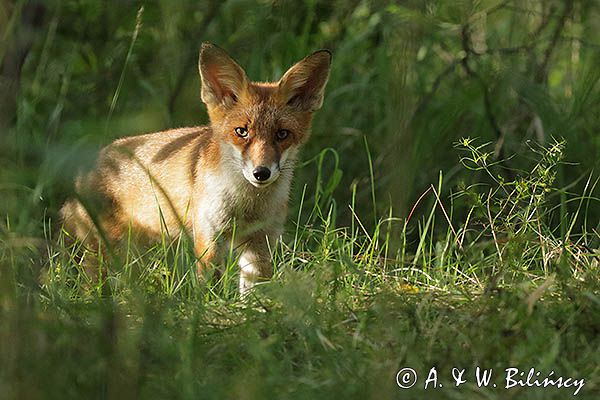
x: 205, y: 250
x: 255, y: 261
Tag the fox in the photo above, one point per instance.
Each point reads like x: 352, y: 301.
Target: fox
x: 204, y: 180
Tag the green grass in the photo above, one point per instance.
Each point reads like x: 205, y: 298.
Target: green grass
x: 445, y: 214
x: 344, y: 312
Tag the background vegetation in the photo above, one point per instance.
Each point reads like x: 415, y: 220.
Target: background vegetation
x: 446, y: 214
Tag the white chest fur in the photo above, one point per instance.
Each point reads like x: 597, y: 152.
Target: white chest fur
x: 226, y: 196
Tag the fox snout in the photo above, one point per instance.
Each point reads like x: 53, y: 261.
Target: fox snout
x: 262, y: 175
x: 261, y: 166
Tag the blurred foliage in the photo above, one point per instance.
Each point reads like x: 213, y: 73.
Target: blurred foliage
x: 496, y: 266
x: 412, y: 78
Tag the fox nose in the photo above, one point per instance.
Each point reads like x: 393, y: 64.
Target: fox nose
x: 261, y: 173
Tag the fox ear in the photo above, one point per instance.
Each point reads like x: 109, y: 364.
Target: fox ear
x: 223, y: 80
x: 303, y: 85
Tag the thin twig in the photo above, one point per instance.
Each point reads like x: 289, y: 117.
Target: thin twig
x: 542, y: 69
x: 416, y: 204
x: 191, y: 56
x: 492, y: 228
x: 446, y: 215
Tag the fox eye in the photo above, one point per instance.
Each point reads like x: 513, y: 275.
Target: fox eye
x: 282, y: 134
x: 241, y: 132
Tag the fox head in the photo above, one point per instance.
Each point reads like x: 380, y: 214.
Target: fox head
x: 262, y: 124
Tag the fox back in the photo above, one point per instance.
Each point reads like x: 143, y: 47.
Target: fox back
x: 238, y: 169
